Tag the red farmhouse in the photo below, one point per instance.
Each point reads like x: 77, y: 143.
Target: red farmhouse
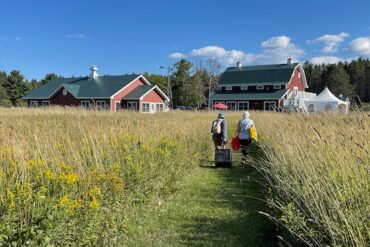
x: 261, y: 87
x: 132, y: 92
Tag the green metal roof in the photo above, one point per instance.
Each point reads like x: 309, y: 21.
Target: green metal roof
x: 249, y: 96
x: 272, y: 73
x: 138, y: 92
x: 83, y: 87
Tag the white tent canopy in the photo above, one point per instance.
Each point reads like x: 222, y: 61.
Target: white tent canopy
x: 325, y: 102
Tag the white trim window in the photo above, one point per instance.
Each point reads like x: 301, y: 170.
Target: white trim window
x: 243, y: 105
x: 244, y: 88
x: 231, y: 105
x: 229, y: 88
x: 145, y: 107
x: 85, y: 104
x: 260, y: 87
x: 45, y: 103
x: 152, y: 107
x: 33, y: 103
x: 295, y: 91
x: 132, y: 105
x: 118, y: 105
x: 101, y: 104
x: 159, y: 107
x: 299, y: 74
x: 270, y: 105
x: 277, y: 86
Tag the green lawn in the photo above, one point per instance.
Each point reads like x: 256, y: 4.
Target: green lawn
x: 212, y: 207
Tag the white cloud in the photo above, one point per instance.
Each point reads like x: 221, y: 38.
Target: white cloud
x: 209, y: 51
x: 278, y: 50
x: 177, y: 55
x: 325, y: 60
x: 274, y: 50
x: 331, y: 41
x: 360, y: 46
x: 78, y: 36
x: 279, y: 42
x: 222, y: 55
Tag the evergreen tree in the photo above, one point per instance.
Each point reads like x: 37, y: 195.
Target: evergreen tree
x: 337, y: 80
x: 15, y: 87
x: 50, y: 77
x: 4, y: 101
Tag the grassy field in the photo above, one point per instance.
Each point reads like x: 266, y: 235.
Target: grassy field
x: 212, y: 207
x: 70, y: 176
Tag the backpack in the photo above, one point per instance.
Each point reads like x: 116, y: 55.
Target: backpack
x: 216, y: 127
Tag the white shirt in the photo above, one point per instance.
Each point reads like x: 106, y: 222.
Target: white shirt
x: 244, y: 125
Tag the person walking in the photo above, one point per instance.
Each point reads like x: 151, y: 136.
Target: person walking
x: 243, y: 133
x: 219, y: 130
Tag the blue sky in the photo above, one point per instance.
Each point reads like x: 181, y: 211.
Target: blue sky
x: 67, y: 37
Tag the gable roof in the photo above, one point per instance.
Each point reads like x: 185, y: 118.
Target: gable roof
x: 140, y: 91
x: 84, y: 87
x: 273, y: 73
x: 249, y: 96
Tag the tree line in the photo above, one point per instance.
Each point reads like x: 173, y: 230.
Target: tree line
x: 192, y: 82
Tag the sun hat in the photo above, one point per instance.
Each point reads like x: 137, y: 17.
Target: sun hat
x: 221, y: 115
x: 246, y: 114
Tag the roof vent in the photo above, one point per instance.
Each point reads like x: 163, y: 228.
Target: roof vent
x: 94, y: 73
x: 289, y: 61
x: 239, y: 64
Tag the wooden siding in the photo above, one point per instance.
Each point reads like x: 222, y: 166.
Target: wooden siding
x: 296, y: 81
x: 153, y: 97
x: 124, y: 91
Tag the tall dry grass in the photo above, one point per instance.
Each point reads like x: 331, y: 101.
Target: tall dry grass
x: 318, y: 167
x: 71, y: 176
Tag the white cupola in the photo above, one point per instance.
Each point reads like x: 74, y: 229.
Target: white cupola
x: 289, y: 61
x: 94, y: 73
x: 239, y: 64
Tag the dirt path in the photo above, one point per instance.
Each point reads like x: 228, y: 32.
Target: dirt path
x: 212, y: 207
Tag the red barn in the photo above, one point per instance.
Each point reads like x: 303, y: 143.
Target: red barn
x: 132, y: 92
x: 261, y: 87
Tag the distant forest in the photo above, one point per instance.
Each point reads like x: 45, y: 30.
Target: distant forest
x: 191, y: 83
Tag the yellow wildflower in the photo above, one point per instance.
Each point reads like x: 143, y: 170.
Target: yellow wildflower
x: 32, y: 163
x: 64, y: 201
x: 49, y: 174
x: 94, y: 203
x: 71, y: 178
x: 95, y: 191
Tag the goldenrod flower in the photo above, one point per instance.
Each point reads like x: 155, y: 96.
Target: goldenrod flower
x: 94, y: 203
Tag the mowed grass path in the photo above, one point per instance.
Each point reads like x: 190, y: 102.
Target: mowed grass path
x: 212, y: 207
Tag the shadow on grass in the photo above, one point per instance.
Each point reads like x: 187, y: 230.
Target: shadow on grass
x: 240, y: 196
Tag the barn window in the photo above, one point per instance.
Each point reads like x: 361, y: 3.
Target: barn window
x: 45, y: 103
x: 244, y: 88
x: 229, y: 88
x: 243, y: 105
x: 295, y: 91
x: 118, y: 105
x: 260, y: 87
x: 85, y: 104
x: 145, y: 107
x: 270, y: 105
x: 299, y: 74
x: 132, y: 105
x: 277, y: 86
x: 159, y: 107
x: 33, y: 103
x: 101, y: 104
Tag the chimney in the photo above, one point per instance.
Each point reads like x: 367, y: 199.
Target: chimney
x: 94, y: 73
x: 239, y: 64
x: 289, y: 61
